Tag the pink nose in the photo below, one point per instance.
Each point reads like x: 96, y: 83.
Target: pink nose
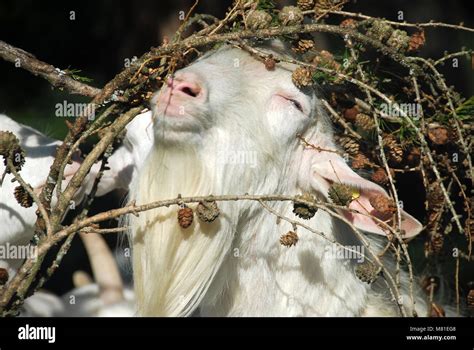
x: 187, y: 85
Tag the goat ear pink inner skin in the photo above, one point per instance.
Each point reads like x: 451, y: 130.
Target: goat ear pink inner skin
x: 332, y: 168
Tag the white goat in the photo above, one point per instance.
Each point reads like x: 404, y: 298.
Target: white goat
x: 17, y: 221
x: 226, y: 125
x: 106, y: 297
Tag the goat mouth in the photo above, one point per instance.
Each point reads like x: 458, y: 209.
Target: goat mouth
x: 178, y: 109
x: 173, y: 122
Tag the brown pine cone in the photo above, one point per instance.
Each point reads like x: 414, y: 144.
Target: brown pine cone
x: 270, y: 63
x: 350, y: 145
x: 470, y: 300
x: 303, y: 210
x: 349, y: 23
x: 185, y: 217
x: 395, y: 151
x: 360, y: 161
x: 8, y: 141
x: 437, y: 243
x: 432, y: 220
x: 417, y: 40
x: 380, y: 176
x: 326, y: 59
x: 23, y: 197
x: 435, y: 197
x: 18, y: 158
x: 434, y: 245
x: 413, y: 158
x: 303, y: 45
x: 302, y: 77
x: 289, y: 239
x: 382, y: 204
x: 364, y: 122
x: 439, y: 135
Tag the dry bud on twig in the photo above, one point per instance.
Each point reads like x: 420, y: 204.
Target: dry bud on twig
x: 290, y: 15
x: 303, y: 210
x: 207, y: 211
x: 258, y: 19
x: 367, y: 272
x: 342, y: 194
x: 289, y: 239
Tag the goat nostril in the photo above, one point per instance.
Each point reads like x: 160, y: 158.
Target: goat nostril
x: 193, y: 92
x: 189, y: 88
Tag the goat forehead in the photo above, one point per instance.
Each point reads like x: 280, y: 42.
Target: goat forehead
x: 232, y: 72
x: 236, y: 65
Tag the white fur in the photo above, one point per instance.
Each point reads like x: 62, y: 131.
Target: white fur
x: 18, y: 222
x: 83, y: 301
x: 236, y: 266
x: 86, y: 302
x: 42, y: 304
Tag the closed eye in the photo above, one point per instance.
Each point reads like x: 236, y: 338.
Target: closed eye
x: 297, y: 105
x: 295, y: 102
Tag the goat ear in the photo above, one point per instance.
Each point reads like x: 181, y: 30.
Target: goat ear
x: 107, y: 183
x: 128, y: 158
x: 329, y: 167
x: 69, y: 172
x: 123, y: 163
x: 119, y: 173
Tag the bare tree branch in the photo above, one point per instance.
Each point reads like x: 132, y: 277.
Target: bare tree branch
x: 55, y: 76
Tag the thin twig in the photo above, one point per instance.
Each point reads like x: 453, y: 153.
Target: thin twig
x: 453, y: 55
x: 393, y: 188
x: 442, y: 85
x: 404, y: 24
x: 55, y: 76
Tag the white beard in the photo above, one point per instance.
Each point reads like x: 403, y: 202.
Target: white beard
x: 171, y: 272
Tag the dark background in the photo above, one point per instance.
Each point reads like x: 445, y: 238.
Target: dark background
x: 105, y: 33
